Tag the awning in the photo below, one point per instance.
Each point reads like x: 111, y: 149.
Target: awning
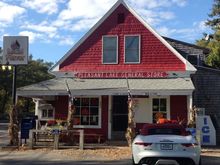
x: 97, y: 87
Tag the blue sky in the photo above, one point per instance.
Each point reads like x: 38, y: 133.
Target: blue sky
x: 54, y: 26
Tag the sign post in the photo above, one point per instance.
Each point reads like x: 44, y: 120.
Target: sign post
x: 15, y: 52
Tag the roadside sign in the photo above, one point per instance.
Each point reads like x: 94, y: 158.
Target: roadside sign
x: 15, y: 50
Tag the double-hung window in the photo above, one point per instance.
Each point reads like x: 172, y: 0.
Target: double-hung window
x: 132, y: 49
x: 110, y: 50
x: 159, y: 108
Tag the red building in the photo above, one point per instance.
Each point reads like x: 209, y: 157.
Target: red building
x: 121, y: 51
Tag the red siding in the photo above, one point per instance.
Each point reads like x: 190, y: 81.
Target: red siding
x: 154, y: 55
x: 178, y: 107
x: 61, y: 107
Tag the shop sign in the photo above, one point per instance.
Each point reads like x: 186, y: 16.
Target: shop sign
x: 153, y: 74
x: 205, y: 126
x: 15, y: 50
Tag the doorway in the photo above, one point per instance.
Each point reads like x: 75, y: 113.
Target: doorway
x: 119, y: 117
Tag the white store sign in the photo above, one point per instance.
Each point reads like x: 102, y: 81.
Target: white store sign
x: 205, y: 126
x: 15, y: 50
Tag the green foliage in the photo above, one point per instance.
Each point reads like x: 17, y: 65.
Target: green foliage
x: 214, y: 22
x: 34, y: 72
x: 213, y: 41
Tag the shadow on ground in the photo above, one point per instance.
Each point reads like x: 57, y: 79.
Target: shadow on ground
x: 210, y: 160
x: 40, y: 162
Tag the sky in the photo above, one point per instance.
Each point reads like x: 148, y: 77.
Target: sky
x: 54, y: 26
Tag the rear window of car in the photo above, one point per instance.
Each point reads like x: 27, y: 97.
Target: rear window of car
x: 164, y: 131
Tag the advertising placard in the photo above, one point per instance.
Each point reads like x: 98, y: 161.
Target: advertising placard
x: 15, y: 50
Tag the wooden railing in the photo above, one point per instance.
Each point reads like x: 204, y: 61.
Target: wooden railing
x: 53, y: 136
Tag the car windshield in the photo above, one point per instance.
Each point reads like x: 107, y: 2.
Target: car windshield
x: 164, y: 131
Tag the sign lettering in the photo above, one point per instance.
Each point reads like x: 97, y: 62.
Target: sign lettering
x: 153, y: 74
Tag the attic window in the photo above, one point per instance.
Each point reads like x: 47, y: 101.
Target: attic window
x: 110, y: 50
x: 121, y: 18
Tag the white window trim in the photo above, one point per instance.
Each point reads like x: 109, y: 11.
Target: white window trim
x: 100, y: 114
x: 47, y: 118
x: 103, y: 50
x: 139, y: 48
x: 197, y: 56
x: 168, y: 105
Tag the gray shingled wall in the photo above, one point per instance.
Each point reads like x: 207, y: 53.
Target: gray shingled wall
x: 207, y: 94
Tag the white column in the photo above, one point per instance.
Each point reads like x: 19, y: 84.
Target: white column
x: 189, y: 107
x: 109, y: 117
x: 37, y: 113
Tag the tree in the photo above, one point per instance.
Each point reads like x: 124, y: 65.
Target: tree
x: 36, y: 71
x: 212, y: 41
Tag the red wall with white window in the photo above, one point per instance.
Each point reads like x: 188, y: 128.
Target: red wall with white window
x: 61, y: 112
x: 154, y: 55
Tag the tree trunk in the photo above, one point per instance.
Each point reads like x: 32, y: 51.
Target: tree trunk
x: 13, y: 126
x: 130, y: 134
x: 71, y: 111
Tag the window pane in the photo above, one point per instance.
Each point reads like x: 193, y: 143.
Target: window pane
x: 44, y: 113
x: 94, y: 120
x: 85, y: 102
x: 94, y: 111
x: 94, y: 102
x: 109, y: 49
x: 50, y: 113
x: 132, y: 49
x: 156, y: 104
x: 84, y: 120
x: 163, y: 105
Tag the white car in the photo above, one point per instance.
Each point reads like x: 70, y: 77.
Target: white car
x: 167, y: 144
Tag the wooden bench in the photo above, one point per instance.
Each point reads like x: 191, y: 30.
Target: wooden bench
x: 98, y: 137
x: 43, y: 137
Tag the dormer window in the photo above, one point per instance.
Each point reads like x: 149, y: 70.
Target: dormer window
x: 132, y: 49
x: 110, y: 50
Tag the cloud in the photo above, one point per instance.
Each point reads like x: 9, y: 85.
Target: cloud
x: 85, y: 9
x: 43, y: 27
x: 67, y: 40
x: 188, y: 34
x: 31, y: 35
x: 43, y: 6
x: 8, y: 13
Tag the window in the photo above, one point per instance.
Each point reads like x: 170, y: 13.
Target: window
x: 194, y: 59
x: 87, y: 112
x: 132, y: 49
x: 159, y: 108
x: 110, y: 50
x: 47, y: 113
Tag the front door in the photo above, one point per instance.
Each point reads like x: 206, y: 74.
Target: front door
x: 119, y: 117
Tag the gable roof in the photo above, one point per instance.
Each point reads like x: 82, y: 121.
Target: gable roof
x: 55, y: 68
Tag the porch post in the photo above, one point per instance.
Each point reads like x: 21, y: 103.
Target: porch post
x: 37, y: 102
x: 189, y: 107
x: 109, y: 117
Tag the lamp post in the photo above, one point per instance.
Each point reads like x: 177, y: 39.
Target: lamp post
x: 13, y: 125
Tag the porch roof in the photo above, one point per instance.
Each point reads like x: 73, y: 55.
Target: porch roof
x: 94, y: 87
